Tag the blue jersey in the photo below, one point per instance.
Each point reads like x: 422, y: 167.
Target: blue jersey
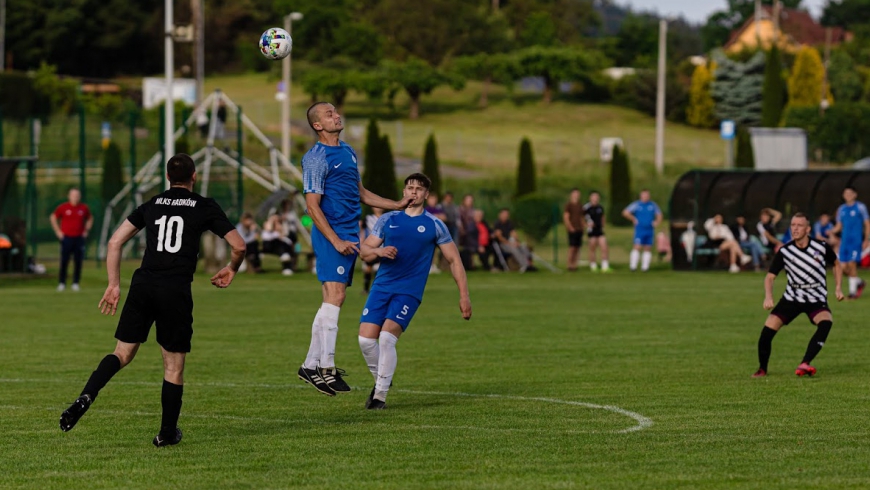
x: 331, y: 171
x: 822, y: 230
x: 415, y: 239
x: 852, y: 218
x: 644, y: 212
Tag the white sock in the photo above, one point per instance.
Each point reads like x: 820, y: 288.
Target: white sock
x: 853, y: 284
x: 371, y: 353
x: 313, y: 357
x: 328, y: 334
x: 386, y: 364
x: 605, y: 264
x: 633, y: 259
x: 593, y: 266
x: 645, y: 260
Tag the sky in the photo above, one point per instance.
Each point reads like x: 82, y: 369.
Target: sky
x: 696, y: 11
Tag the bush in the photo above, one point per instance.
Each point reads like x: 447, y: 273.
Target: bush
x: 842, y: 133
x: 745, y: 155
x: 620, y: 187
x: 535, y: 215
x: 525, y: 170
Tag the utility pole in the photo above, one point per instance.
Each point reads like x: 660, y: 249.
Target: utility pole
x: 196, y: 7
x: 168, y: 67
x: 285, y: 102
x: 660, y: 98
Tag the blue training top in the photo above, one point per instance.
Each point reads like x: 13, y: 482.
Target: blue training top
x: 415, y: 239
x: 331, y: 171
x: 852, y: 217
x: 645, y: 213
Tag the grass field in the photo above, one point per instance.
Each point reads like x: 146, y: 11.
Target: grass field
x: 558, y: 381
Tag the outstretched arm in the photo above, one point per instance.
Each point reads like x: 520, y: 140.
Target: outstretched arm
x: 370, y: 198
x: 451, y: 253
x: 109, y: 303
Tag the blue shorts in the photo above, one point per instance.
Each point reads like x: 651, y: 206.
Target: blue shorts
x: 382, y: 306
x: 643, y: 237
x: 331, y: 265
x: 850, y: 251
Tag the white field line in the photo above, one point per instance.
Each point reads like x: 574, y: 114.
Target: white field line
x: 641, y: 422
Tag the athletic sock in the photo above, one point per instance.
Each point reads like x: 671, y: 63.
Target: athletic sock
x: 818, y: 340
x: 854, y: 281
x: 313, y: 357
x: 633, y: 259
x: 171, y: 401
x: 765, y: 342
x: 593, y: 266
x: 367, y: 281
x: 386, y: 364
x: 605, y: 264
x: 328, y: 334
x: 645, y: 260
x: 104, y: 372
x: 370, y: 352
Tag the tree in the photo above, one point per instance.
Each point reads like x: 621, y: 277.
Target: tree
x: 773, y: 90
x: 430, y: 165
x: 620, y: 186
x: 745, y: 156
x: 540, y: 30
x: 558, y: 64
x: 525, y: 169
x: 418, y: 78
x: 845, y: 81
x: 807, y: 77
x: 570, y: 18
x: 498, y: 68
x: 721, y: 23
x: 737, y: 88
x: 334, y: 79
x: 845, y: 13
x: 701, y: 104
x: 113, y: 175
x: 379, y: 175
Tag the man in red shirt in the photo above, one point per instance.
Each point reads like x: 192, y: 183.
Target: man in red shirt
x: 72, y: 221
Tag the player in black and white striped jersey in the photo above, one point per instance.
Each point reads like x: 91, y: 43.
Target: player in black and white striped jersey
x: 805, y: 261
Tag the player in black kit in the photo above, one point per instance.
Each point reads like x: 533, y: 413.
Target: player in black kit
x: 160, y: 289
x: 595, y: 231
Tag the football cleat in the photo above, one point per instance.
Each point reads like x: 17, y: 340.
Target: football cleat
x: 377, y: 404
x: 805, y: 370
x: 312, y: 377
x: 332, y: 377
x: 761, y: 373
x: 370, y: 398
x: 70, y: 417
x: 861, y: 287
x: 161, y: 439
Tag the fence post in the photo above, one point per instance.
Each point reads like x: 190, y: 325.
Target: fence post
x: 240, y: 188
x: 30, y: 192
x: 82, y: 153
x: 555, y: 235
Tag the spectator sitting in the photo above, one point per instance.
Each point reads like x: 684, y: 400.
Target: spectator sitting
x: 275, y: 242
x: 290, y: 221
x: 746, y: 242
x: 250, y: 232
x: 822, y: 231
x: 720, y: 236
x: 506, y: 239
x: 484, y: 240
x: 767, y: 228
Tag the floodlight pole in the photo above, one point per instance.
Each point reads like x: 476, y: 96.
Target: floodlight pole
x: 285, y: 102
x: 660, y: 98
x: 169, y: 112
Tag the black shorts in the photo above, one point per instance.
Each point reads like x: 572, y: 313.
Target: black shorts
x: 789, y: 310
x: 595, y: 232
x: 170, y: 307
x: 575, y: 239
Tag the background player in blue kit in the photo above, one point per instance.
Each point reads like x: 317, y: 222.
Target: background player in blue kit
x: 409, y: 239
x: 333, y: 191
x: 645, y: 215
x: 853, y: 224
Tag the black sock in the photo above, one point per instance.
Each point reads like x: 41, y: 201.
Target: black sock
x: 818, y: 340
x: 104, y: 372
x: 764, y: 346
x: 367, y: 281
x: 171, y: 400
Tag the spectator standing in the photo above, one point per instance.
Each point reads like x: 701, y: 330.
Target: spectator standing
x: 574, y: 219
x: 484, y: 240
x: 451, y: 215
x: 594, y: 212
x: 467, y: 232
x: 645, y: 215
x: 71, y: 222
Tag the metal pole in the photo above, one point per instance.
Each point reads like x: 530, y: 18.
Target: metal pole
x: 163, y: 157
x: 82, y: 153
x: 196, y: 6
x: 240, y: 188
x: 660, y: 98
x: 285, y: 102
x: 169, y: 113
x: 31, y: 211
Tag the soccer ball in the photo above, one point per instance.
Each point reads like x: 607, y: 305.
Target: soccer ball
x: 276, y: 43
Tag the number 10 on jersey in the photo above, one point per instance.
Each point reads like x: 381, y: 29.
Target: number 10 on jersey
x: 165, y: 235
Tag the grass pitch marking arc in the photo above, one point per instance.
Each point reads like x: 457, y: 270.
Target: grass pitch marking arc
x: 641, y: 422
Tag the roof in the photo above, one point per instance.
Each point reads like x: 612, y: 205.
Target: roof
x: 798, y: 25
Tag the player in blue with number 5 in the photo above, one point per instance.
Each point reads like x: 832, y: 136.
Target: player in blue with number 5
x: 853, y: 225
x: 645, y: 215
x: 409, y: 239
x: 333, y: 190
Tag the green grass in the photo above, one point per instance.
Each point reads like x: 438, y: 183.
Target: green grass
x: 676, y: 348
